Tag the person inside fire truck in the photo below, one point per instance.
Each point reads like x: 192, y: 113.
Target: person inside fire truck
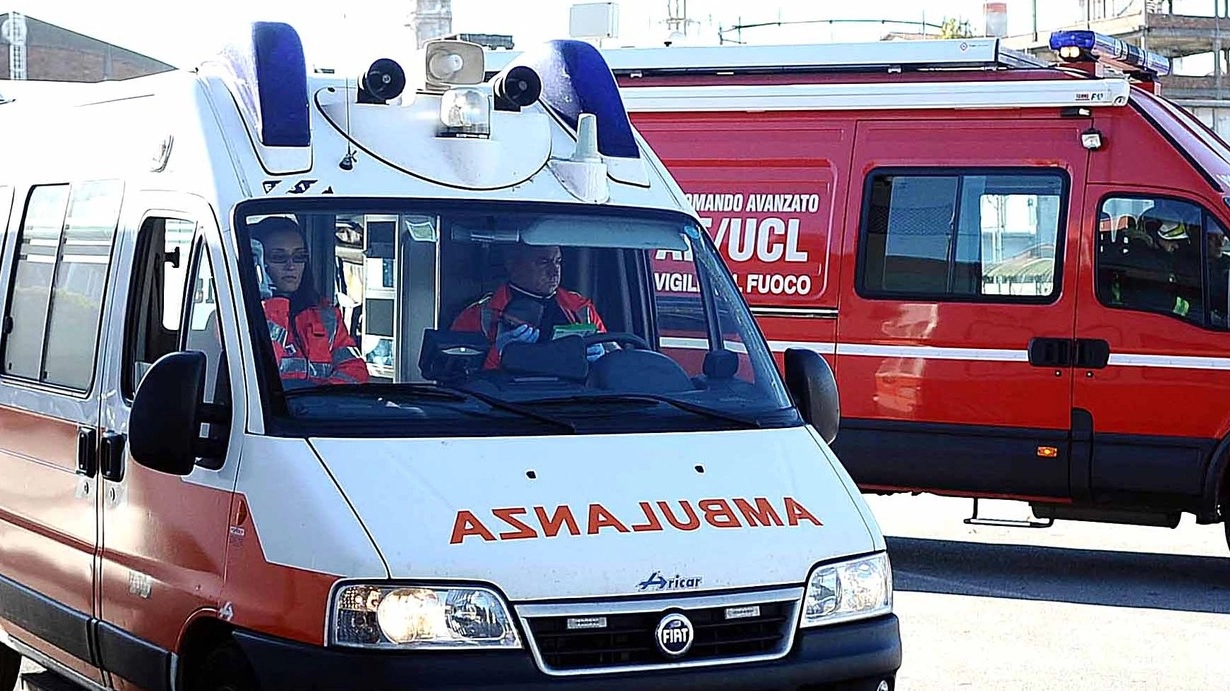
x: 1216, y: 247
x: 310, y: 341
x: 531, y: 303
x: 1160, y: 266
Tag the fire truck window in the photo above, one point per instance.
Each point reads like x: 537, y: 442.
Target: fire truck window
x: 61, y: 274
x: 1163, y: 256
x: 159, y: 272
x: 989, y: 238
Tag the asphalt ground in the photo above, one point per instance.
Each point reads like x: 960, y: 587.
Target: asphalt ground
x: 1077, y: 606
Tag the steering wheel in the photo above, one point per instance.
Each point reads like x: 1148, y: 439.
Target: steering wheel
x: 618, y: 337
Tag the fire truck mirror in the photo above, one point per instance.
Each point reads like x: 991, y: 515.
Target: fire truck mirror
x: 814, y: 389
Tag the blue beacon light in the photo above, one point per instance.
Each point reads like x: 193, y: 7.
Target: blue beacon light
x: 576, y: 79
x: 270, y: 82
x: 1085, y: 45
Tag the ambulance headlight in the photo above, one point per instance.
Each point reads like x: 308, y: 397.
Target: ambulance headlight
x: 465, y: 112
x: 848, y: 590
x: 402, y: 617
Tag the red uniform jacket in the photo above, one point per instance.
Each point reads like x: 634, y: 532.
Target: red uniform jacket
x: 322, y: 353
x: 485, y: 314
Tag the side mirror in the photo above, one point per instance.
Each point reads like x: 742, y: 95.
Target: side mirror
x: 164, y: 428
x: 810, y: 380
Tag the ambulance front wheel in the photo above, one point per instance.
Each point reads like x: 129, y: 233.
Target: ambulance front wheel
x: 225, y: 669
x: 10, y: 666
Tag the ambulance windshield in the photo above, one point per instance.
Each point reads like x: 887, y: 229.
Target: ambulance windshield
x: 445, y: 319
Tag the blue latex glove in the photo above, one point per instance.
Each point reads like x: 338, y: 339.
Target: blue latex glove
x: 594, y: 352
x: 523, y: 334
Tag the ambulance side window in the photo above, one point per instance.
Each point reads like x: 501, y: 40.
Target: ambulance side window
x: 1164, y: 256
x: 955, y: 236
x: 64, y: 254
x: 157, y: 298
x: 203, y: 330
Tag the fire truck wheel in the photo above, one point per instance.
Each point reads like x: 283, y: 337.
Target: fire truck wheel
x: 10, y: 665
x: 226, y: 669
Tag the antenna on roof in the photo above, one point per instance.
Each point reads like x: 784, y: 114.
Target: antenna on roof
x: 347, y: 162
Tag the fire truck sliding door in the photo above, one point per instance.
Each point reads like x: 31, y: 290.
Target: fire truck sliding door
x: 957, y: 318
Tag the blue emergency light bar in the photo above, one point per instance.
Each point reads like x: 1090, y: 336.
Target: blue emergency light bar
x: 576, y: 79
x: 1090, y: 45
x: 270, y: 82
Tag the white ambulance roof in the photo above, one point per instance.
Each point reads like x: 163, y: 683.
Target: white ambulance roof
x: 14, y: 90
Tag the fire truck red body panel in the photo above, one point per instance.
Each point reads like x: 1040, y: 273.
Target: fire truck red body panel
x: 957, y: 394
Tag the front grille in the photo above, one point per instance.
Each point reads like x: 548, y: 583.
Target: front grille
x: 628, y: 639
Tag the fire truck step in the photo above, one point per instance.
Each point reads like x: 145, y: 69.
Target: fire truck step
x: 975, y: 519
x: 45, y: 681
x: 1157, y: 519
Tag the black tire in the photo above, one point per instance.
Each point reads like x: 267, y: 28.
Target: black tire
x: 225, y: 669
x: 10, y: 667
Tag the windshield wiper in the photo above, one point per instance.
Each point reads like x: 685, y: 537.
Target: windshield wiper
x: 429, y: 391
x: 751, y: 423
x: 501, y: 404
x: 407, y: 389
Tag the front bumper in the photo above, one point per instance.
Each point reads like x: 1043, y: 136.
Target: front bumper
x: 844, y: 657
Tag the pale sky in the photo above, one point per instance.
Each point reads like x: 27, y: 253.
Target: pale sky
x: 350, y: 36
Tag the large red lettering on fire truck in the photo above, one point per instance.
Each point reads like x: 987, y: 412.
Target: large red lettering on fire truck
x: 772, y: 230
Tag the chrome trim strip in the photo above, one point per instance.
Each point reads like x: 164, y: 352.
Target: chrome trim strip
x: 794, y: 595
x: 659, y: 604
x: 799, y: 312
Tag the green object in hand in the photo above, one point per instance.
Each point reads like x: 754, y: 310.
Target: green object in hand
x: 580, y: 329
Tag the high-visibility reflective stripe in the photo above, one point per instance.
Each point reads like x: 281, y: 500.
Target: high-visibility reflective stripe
x: 971, y: 354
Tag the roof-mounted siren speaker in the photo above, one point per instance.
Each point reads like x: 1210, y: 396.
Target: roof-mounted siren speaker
x: 267, y: 74
x: 449, y: 63
x: 515, y: 88
x: 577, y: 80
x: 383, y: 81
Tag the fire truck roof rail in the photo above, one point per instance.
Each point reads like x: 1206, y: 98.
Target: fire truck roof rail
x: 1033, y: 93
x: 984, y: 53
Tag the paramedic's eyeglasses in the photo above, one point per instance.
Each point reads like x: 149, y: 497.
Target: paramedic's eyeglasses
x: 282, y: 258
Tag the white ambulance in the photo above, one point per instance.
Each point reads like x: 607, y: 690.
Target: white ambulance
x: 319, y: 383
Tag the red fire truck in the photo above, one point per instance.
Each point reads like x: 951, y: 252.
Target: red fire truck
x: 1017, y: 269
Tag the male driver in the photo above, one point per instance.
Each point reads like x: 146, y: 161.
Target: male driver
x: 530, y: 306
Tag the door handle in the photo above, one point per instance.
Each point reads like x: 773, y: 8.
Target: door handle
x: 113, y: 456
x: 1050, y: 352
x: 1092, y: 353
x: 87, y: 451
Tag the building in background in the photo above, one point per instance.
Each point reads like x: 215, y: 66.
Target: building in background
x: 431, y: 19
x: 38, y: 51
x: 1199, y: 41
x: 1195, y: 34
